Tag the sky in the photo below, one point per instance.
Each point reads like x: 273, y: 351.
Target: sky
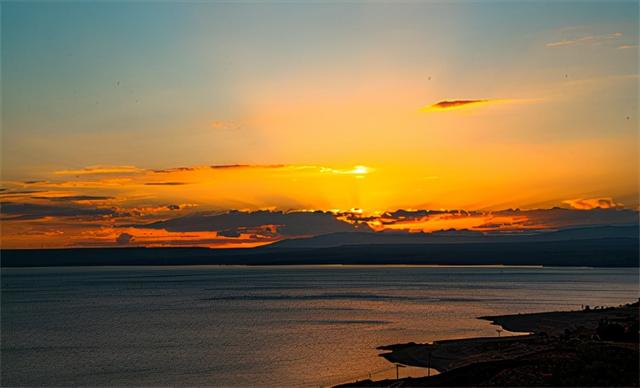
x: 120, y: 115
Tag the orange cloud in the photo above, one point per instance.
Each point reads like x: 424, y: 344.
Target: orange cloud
x: 446, y: 105
x: 90, y: 184
x: 454, y: 104
x: 593, y: 203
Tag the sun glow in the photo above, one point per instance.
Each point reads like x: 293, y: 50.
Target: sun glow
x: 360, y: 170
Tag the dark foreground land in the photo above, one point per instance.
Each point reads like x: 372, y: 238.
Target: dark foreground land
x: 592, y: 347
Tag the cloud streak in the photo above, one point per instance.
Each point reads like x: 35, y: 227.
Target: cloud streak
x: 165, y: 183
x: 454, y: 104
x: 241, y: 166
x: 98, y: 170
x: 585, y: 40
x: 14, y: 211
x: 356, y: 170
x: 76, y: 198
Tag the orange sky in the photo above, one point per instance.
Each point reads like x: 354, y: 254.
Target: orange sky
x: 102, y: 205
x: 116, y: 116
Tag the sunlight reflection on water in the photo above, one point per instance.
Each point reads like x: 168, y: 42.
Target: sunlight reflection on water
x: 272, y: 326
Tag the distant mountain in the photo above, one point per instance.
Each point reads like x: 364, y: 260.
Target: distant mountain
x: 602, y: 246
x: 602, y: 252
x: 457, y: 237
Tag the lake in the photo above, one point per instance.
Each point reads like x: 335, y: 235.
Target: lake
x: 274, y: 326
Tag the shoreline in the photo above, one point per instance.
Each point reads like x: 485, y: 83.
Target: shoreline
x: 320, y: 265
x: 533, y: 358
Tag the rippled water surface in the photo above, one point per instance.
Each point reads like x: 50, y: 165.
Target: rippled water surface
x: 261, y: 325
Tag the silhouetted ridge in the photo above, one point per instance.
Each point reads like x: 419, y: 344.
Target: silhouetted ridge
x: 602, y: 252
x: 457, y: 237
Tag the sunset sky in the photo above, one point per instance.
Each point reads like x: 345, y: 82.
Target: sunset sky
x: 118, y: 116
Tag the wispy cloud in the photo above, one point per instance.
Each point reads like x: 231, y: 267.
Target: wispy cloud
x: 585, y: 40
x: 218, y: 167
x: 356, y: 170
x: 455, y: 104
x: 6, y: 193
x: 628, y: 46
x: 175, y: 169
x: 75, y: 198
x: 91, y: 183
x: 234, y: 166
x: 165, y: 183
x: 14, y: 211
x: 100, y: 170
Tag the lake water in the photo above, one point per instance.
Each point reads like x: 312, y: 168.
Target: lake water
x: 274, y: 326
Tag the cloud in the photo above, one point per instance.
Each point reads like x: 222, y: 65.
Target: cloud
x: 13, y: 211
x: 509, y: 219
x: 232, y: 233
x: 77, y: 224
x: 453, y: 104
x: 165, y: 183
x: 356, y: 170
x: 627, y: 46
x: 261, y: 222
x: 269, y: 224
x: 175, y: 169
x: 124, y: 238
x: 585, y: 40
x: 447, y: 105
x: 593, y: 203
x: 91, y: 183
x: 20, y: 192
x: 234, y: 166
x: 562, y: 217
x: 100, y: 170
x: 217, y: 167
x: 76, y: 198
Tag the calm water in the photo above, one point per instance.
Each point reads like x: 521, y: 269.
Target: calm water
x: 261, y: 326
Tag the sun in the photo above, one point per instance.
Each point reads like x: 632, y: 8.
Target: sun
x: 360, y: 170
